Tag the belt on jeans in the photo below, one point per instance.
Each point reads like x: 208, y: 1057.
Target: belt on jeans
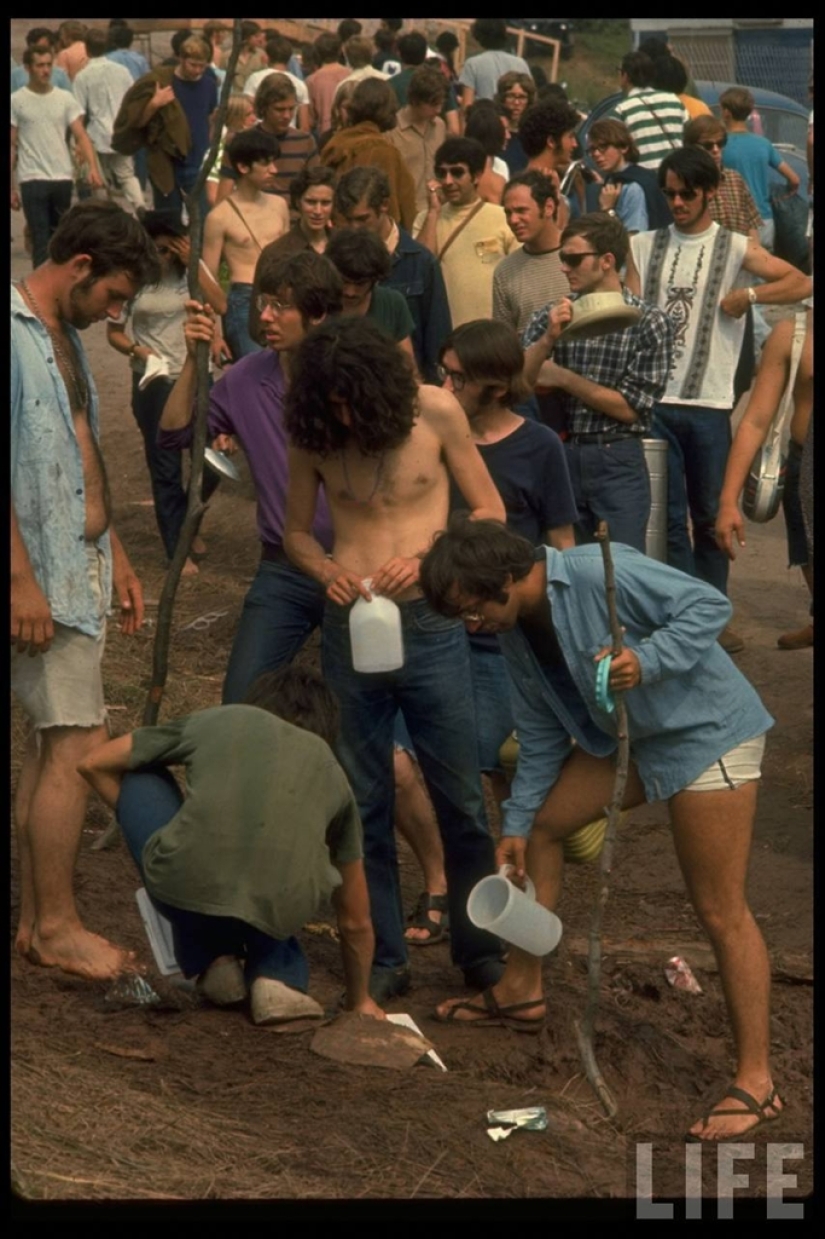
x: 603, y: 439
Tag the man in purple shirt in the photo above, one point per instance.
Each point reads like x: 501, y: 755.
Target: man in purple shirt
x: 283, y: 606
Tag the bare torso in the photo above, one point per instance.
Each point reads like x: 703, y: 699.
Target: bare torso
x: 267, y: 220
x: 803, y: 392
x: 387, y: 505
x: 96, y: 490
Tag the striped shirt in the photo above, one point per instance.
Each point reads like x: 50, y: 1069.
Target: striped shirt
x: 524, y: 283
x: 733, y: 206
x: 655, y: 119
x: 635, y: 362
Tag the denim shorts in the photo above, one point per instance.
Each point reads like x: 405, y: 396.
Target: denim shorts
x: 739, y: 765
x: 64, y: 686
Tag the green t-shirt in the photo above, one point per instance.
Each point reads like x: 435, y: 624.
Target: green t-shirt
x: 267, y: 811
x: 389, y: 310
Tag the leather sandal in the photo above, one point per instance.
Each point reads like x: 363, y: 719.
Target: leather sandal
x: 421, y: 919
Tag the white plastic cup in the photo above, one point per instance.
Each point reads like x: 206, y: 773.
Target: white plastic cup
x: 495, y: 904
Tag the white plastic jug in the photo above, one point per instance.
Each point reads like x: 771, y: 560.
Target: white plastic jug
x: 497, y: 905
x: 375, y: 635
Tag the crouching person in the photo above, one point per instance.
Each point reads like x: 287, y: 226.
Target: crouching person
x: 696, y: 731
x: 267, y: 829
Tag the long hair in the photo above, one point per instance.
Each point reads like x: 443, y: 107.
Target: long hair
x: 354, y: 360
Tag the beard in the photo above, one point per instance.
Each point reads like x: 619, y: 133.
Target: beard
x: 79, y: 316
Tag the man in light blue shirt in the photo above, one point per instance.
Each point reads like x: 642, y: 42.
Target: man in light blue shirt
x: 64, y: 558
x: 479, y: 77
x: 753, y: 156
x: 696, y: 729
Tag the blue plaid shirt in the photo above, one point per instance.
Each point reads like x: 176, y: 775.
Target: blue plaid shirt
x: 634, y: 362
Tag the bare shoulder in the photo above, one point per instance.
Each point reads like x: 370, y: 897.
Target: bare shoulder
x: 440, y: 410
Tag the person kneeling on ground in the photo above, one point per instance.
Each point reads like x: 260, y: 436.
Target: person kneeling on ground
x: 697, y: 733
x: 267, y: 829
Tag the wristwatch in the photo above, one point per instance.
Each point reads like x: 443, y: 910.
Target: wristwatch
x: 612, y: 212
x: 752, y: 295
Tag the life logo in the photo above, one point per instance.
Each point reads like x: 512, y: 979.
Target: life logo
x: 714, y: 1173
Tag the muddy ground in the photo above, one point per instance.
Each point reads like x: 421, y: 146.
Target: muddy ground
x: 185, y: 1102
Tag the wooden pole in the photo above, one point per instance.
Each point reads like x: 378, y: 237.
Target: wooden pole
x: 584, y: 1027
x: 195, y: 508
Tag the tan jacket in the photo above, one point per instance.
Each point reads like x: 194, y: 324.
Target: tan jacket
x: 166, y: 137
x: 360, y: 145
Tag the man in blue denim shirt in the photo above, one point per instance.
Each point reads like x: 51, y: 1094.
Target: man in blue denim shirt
x: 64, y: 558
x: 696, y: 739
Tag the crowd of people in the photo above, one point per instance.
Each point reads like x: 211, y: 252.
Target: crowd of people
x: 393, y: 253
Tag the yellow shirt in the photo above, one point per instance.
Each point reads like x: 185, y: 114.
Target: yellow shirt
x: 469, y: 263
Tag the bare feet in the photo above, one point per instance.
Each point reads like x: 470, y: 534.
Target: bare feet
x: 80, y: 952
x: 23, y: 940
x: 198, y: 546
x: 190, y: 568
x: 738, y: 1113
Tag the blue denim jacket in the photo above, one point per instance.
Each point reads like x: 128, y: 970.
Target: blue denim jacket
x: 47, y: 484
x: 416, y: 274
x: 691, y: 707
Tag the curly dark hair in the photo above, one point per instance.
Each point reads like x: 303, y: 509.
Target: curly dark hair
x: 550, y: 119
x: 354, y: 360
x: 473, y: 559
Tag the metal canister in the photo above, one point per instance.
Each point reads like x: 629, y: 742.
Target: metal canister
x: 656, y: 537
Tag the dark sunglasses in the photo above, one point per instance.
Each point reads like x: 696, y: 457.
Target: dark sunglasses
x: 687, y: 195
x: 716, y: 143
x: 455, y: 173
x: 575, y: 260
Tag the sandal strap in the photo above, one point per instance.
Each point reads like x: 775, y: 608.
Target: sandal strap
x: 748, y: 1100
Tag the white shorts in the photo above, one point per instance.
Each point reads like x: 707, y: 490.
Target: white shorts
x: 740, y: 765
x: 64, y: 686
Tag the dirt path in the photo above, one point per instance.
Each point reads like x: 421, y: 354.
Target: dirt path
x: 183, y: 1102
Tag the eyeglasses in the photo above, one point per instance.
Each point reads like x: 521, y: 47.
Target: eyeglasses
x: 514, y: 97
x: 687, y: 195
x: 264, y: 302
x: 455, y: 376
x: 575, y: 260
x: 456, y: 173
x: 599, y: 148
x: 717, y: 144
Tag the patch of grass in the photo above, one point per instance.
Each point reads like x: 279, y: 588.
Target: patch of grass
x: 591, y: 72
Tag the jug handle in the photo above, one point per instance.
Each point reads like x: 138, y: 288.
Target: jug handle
x: 529, y: 888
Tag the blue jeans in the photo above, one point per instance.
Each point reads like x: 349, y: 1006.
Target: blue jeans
x: 43, y: 204
x: 236, y: 321
x: 164, y: 464
x: 149, y: 799
x: 174, y: 202
x: 434, y: 691
x: 280, y: 612
x: 491, y: 701
x: 611, y: 483
x: 698, y: 441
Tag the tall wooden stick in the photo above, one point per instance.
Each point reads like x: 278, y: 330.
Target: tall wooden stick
x: 584, y: 1028
x: 194, y: 507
